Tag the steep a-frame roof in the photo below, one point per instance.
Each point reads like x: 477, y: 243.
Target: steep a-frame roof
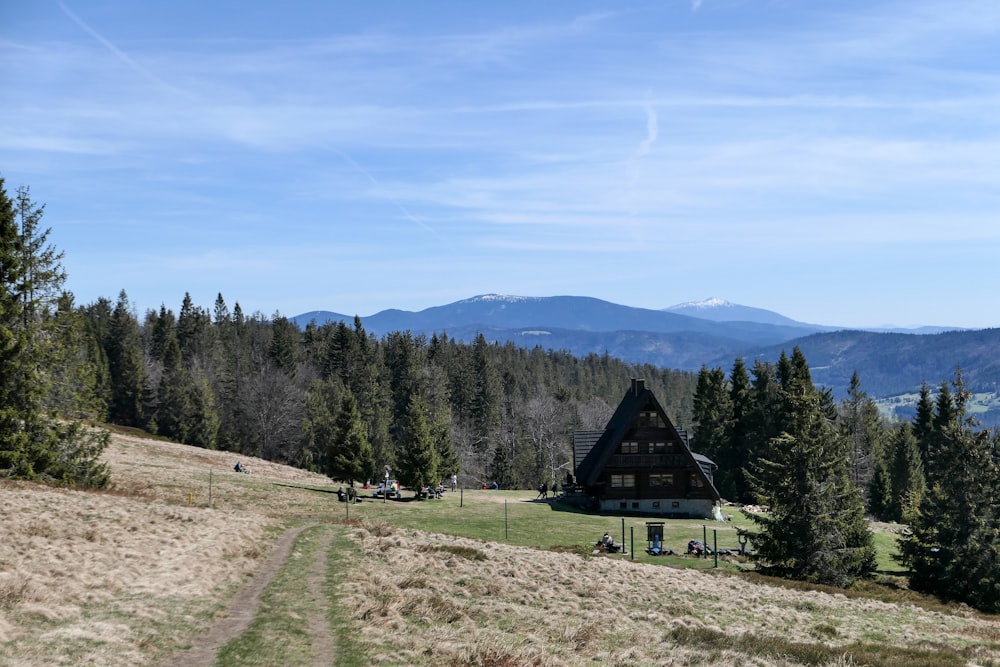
x: 637, y: 399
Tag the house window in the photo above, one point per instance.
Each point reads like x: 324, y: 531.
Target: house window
x: 622, y: 481
x: 630, y: 448
x: 651, y: 418
x: 661, y: 479
x: 696, y: 482
x: 657, y: 447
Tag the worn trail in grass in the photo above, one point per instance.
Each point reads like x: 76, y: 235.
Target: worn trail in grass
x: 134, y: 575
x: 283, y: 614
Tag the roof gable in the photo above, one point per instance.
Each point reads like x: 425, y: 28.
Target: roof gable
x: 636, y: 400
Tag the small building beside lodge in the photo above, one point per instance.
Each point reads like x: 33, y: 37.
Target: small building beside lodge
x: 640, y: 463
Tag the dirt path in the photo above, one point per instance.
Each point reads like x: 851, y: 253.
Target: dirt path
x: 324, y: 647
x: 243, y: 609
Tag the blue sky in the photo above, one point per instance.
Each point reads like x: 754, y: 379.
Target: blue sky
x: 837, y: 162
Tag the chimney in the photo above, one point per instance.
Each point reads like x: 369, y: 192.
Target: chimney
x: 638, y: 386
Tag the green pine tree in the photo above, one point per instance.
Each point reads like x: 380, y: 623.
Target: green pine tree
x: 734, y: 462
x: 417, y: 459
x: 17, y: 385
x: 349, y: 455
x: 712, y: 411
x: 32, y: 445
x: 865, y: 432
x: 815, y: 529
x: 501, y: 467
x: 954, y: 537
x: 907, y: 475
x: 126, y: 365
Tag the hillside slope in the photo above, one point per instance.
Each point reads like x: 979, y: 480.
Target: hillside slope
x: 130, y: 577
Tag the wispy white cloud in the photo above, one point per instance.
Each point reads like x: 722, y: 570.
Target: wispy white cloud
x: 532, y: 131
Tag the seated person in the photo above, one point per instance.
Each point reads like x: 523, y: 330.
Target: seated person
x: 607, y: 543
x: 697, y: 548
x: 341, y: 496
x: 238, y: 467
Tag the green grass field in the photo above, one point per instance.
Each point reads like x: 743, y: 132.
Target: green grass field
x: 516, y: 518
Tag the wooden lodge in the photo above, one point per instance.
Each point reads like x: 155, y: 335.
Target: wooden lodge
x: 640, y: 463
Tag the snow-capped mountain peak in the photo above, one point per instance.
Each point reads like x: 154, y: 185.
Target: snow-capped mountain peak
x: 711, y: 302
x: 500, y: 298
x: 720, y: 310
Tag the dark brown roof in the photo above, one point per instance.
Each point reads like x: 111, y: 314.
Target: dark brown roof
x: 636, y: 400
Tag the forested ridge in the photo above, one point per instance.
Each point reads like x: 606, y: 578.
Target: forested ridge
x: 261, y: 386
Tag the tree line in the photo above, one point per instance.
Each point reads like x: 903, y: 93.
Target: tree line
x: 334, y: 398
x: 330, y: 398
x: 820, y: 466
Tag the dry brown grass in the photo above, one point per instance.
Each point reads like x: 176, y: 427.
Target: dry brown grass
x: 517, y: 606
x: 118, y: 577
x: 126, y: 577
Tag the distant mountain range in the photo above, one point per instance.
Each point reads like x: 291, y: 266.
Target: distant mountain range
x: 710, y: 333
x: 720, y: 310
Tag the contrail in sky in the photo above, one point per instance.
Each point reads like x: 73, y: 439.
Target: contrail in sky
x: 402, y: 209
x: 118, y: 53
x: 652, y: 131
x: 634, y: 162
x: 145, y: 73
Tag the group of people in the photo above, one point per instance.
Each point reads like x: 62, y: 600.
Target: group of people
x: 351, y: 495
x: 543, y: 490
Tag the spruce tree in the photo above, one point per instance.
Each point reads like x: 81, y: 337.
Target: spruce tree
x: 486, y: 406
x: 203, y: 430
x: 126, y: 365
x: 713, y: 415
x: 814, y: 529
x: 880, y: 493
x: 907, y: 475
x: 954, y: 537
x: 417, y: 460
x: 74, y: 373
x: 923, y: 423
x: 17, y: 384
x: 174, y: 406
x: 502, y: 467
x: 32, y: 444
x: 762, y: 418
x: 349, y: 455
x: 863, y: 428
x: 733, y: 466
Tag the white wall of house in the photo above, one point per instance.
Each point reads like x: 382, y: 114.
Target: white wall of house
x: 696, y: 509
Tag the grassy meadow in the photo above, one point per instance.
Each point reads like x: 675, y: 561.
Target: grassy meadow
x: 150, y: 569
